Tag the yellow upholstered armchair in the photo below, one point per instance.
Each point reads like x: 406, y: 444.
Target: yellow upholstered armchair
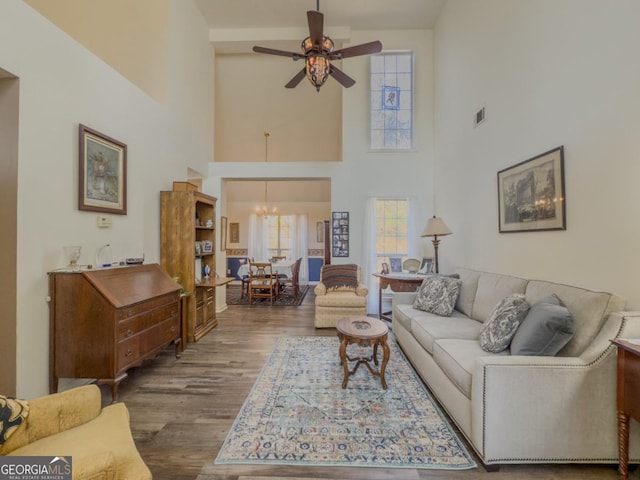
x: 73, y: 423
x: 339, y: 294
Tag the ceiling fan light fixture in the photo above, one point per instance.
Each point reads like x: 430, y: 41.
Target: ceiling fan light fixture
x: 318, y: 70
x: 318, y: 50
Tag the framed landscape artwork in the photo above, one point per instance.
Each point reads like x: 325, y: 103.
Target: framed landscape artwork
x: 102, y: 173
x: 531, y: 194
x: 234, y: 232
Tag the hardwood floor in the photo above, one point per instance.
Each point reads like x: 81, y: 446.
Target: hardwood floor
x: 181, y: 410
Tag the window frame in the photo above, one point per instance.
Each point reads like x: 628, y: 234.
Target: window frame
x: 376, y: 99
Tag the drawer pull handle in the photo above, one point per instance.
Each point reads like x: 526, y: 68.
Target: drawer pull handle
x: 173, y: 328
x: 129, y: 313
x: 129, y: 352
x: 129, y: 333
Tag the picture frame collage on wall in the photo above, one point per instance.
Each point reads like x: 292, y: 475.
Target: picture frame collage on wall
x: 340, y: 234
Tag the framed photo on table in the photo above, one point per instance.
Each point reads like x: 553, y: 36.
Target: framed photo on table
x: 102, y: 173
x: 427, y: 266
x: 396, y: 264
x: 531, y: 194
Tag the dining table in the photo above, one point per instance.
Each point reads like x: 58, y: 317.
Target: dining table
x: 281, y: 267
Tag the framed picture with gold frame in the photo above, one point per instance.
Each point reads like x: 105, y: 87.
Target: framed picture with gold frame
x: 102, y: 174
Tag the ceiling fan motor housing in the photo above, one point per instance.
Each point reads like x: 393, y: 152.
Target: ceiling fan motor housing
x: 308, y: 46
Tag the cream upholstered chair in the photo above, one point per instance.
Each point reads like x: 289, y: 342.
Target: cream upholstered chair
x: 339, y: 294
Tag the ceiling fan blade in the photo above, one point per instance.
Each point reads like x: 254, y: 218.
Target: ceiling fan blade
x: 342, y: 78
x: 273, y: 51
x: 316, y: 25
x: 362, y: 49
x: 297, y: 79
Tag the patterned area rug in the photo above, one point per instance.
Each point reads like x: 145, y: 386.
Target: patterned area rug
x: 234, y: 291
x: 298, y: 414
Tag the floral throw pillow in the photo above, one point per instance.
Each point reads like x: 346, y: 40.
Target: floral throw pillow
x: 504, y: 320
x: 438, y: 295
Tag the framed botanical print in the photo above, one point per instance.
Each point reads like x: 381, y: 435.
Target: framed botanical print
x: 102, y: 173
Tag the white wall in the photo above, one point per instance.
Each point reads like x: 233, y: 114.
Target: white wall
x: 295, y: 118
x: 362, y: 173
x: 61, y: 85
x: 550, y: 73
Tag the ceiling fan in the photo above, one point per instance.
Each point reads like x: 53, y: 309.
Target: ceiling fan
x: 318, y: 51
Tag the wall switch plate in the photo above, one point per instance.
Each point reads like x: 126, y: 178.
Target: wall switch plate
x: 104, y: 222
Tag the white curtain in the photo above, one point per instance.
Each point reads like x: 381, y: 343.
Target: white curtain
x: 300, y: 245
x: 370, y: 257
x: 258, y: 245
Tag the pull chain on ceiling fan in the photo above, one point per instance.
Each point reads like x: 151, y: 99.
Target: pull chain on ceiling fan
x: 318, y: 51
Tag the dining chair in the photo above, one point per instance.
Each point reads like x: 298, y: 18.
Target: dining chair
x: 292, y: 285
x: 245, y: 279
x: 262, y: 283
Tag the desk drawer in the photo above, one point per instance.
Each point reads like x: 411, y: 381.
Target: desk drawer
x: 136, y: 347
x: 132, y: 326
x: 151, y: 304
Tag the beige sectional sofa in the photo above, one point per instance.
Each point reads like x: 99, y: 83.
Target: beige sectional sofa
x: 516, y: 408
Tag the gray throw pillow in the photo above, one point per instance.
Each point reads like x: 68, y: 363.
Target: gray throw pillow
x: 438, y: 295
x: 503, y: 322
x: 546, y: 329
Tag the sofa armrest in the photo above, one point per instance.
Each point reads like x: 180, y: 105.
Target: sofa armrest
x: 320, y: 289
x: 55, y: 413
x: 362, y: 290
x: 403, y: 298
x: 100, y: 466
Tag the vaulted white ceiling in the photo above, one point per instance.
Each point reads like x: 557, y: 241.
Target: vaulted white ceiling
x: 356, y: 14
x: 235, y: 26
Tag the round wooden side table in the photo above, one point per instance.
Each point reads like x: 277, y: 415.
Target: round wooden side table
x: 363, y: 331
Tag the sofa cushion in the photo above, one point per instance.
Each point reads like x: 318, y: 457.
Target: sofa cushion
x: 547, y: 328
x: 438, y: 294
x: 468, y: 289
x: 340, y: 299
x: 457, y: 360
x: 590, y: 309
x: 506, y: 317
x: 492, y: 288
x: 427, y: 328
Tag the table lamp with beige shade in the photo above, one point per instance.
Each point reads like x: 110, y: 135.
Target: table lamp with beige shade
x: 436, y: 228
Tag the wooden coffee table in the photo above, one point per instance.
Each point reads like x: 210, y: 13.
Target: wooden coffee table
x: 363, y: 331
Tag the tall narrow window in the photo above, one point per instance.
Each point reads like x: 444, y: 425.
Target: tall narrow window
x: 392, y: 226
x: 280, y: 235
x: 392, y: 101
